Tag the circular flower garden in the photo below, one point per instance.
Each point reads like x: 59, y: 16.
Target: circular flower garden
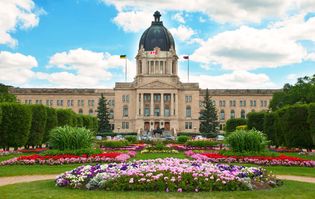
x: 170, y: 175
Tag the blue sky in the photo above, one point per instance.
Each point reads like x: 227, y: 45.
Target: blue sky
x: 231, y: 44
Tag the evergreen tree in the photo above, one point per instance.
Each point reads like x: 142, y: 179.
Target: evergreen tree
x: 103, y: 116
x: 208, y: 117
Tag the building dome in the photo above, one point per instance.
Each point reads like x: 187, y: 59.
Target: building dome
x: 157, y: 36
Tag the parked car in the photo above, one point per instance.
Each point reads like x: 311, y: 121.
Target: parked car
x: 220, y: 137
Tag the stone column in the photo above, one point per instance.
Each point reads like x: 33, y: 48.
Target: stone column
x: 176, y: 105
x: 142, y: 102
x: 162, y: 105
x: 152, y: 105
x: 137, y: 104
x: 172, y: 105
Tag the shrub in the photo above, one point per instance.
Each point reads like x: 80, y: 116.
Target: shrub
x: 231, y: 124
x: 65, y: 117
x: 79, y: 119
x: 247, y: 141
x: 87, y: 122
x: 68, y: 137
x: 0, y: 115
x: 37, y: 131
x: 294, y: 124
x: 15, y: 126
x: 114, y: 143
x: 51, y: 122
x: 279, y: 133
x: 241, y: 127
x: 131, y: 138
x: 256, y: 120
x: 270, y: 127
x: 201, y: 143
x: 311, y: 120
x: 182, y: 139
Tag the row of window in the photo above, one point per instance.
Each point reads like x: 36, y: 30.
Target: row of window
x: 156, y: 97
x: 70, y: 103
x: 242, y: 103
x: 232, y: 114
x: 125, y: 98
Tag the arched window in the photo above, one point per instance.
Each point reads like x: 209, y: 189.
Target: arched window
x: 125, y: 111
x: 80, y: 111
x: 91, y: 112
x: 243, y: 114
x: 188, y: 111
x: 232, y: 114
x: 222, y: 115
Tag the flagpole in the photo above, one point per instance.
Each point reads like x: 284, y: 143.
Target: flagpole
x: 126, y: 69
x: 188, y: 69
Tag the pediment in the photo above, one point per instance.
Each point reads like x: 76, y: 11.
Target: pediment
x: 157, y: 85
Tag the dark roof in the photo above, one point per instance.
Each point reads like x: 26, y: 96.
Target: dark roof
x: 157, y: 36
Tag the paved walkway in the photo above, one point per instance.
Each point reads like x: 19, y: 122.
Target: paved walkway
x: 31, y: 178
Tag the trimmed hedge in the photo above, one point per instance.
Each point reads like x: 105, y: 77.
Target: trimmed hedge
x: 15, y: 125
x: 294, y: 124
x: 269, y: 127
x: 231, y: 124
x: 255, y: 120
x: 66, y: 117
x: 311, y: 121
x: 247, y: 141
x: 131, y: 138
x: 51, y: 122
x: 201, y: 143
x: 38, y: 127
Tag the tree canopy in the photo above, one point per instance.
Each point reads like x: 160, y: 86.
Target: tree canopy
x: 302, y: 92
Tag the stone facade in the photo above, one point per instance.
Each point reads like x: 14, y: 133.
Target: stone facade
x: 156, y: 97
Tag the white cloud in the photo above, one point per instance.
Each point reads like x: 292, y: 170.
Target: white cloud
x: 182, y: 32
x: 311, y: 57
x: 249, y: 48
x: 234, y: 80
x: 178, y: 17
x: 16, y: 14
x: 224, y: 11
x: 16, y: 68
x: 133, y: 21
x: 84, y: 68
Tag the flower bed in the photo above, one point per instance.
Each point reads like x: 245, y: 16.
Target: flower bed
x: 170, y: 175
x: 285, y: 150
x: 260, y: 160
x: 37, y: 150
x: 68, y: 159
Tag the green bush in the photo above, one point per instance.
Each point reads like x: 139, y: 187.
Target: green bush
x: 255, y: 120
x: 201, y: 143
x: 279, y: 133
x: 73, y: 152
x: 38, y: 127
x: 15, y: 125
x: 182, y: 139
x: 68, y: 137
x: 0, y: 115
x: 270, y: 127
x: 295, y: 127
x: 79, y: 119
x: 87, y: 121
x: 311, y: 120
x: 231, y: 124
x: 66, y: 117
x: 241, y: 127
x: 247, y: 141
x: 131, y: 138
x: 249, y: 153
x: 51, y: 122
x: 114, y: 143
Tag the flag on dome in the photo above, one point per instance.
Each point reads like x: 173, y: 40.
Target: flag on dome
x: 186, y: 57
x: 123, y: 56
x: 153, y: 52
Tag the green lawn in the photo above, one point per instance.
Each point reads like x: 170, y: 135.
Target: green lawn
x: 47, y: 189
x: 307, y: 157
